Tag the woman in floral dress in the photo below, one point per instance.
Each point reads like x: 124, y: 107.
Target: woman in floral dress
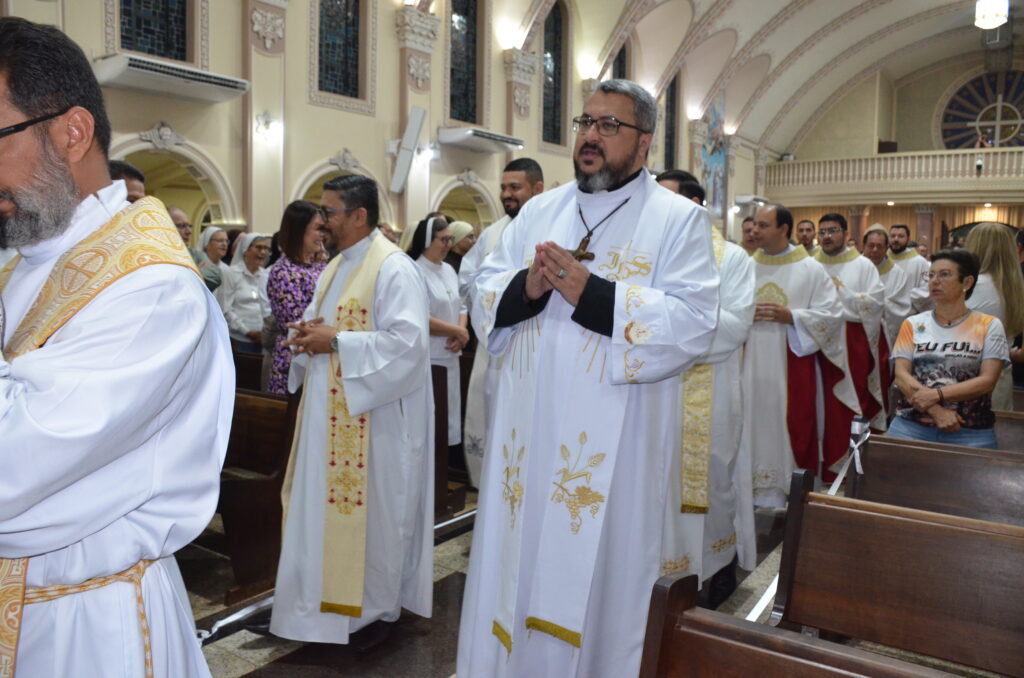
x: 292, y: 280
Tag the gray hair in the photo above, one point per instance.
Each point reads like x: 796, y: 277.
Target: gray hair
x: 645, y: 108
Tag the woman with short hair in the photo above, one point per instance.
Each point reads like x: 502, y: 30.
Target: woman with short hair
x: 430, y: 243
x: 999, y: 291
x: 243, y: 293
x: 292, y: 280
x: 213, y: 242
x: 948, y: 360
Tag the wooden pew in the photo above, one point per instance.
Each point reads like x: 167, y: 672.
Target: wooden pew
x: 250, y: 487
x: 1010, y: 430
x: 961, y: 481
x: 685, y: 641
x: 935, y: 584
x: 248, y: 370
x: 1018, y: 399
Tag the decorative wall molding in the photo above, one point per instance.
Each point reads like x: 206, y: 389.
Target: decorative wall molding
x: 419, y: 70
x: 161, y: 136
x: 695, y: 35
x: 520, y: 66
x: 588, y: 87
x: 367, y: 102
x: 926, y: 208
x: 521, y: 101
x: 267, y: 34
x: 468, y: 177
x: 632, y: 13
x: 416, y: 29
x: 199, y: 52
x: 859, y: 210
x: 346, y: 161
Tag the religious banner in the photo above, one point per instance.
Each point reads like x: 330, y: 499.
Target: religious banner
x: 713, y: 159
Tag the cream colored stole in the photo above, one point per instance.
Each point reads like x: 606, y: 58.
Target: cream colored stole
x: 137, y: 236
x: 348, y: 443
x: 698, y: 401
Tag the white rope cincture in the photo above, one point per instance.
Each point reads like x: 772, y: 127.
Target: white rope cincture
x: 860, y: 431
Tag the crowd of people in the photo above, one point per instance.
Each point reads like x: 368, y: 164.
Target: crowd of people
x: 639, y: 386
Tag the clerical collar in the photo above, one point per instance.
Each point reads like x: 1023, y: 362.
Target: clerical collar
x: 359, y: 249
x: 848, y: 254
x: 789, y: 248
x: 622, y: 184
x: 95, y: 210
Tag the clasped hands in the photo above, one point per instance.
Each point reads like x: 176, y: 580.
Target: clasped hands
x: 773, y: 313
x: 548, y: 262
x: 926, y: 400
x: 311, y: 336
x: 457, y: 341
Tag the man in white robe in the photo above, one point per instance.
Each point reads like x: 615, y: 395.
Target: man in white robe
x: 116, y: 390
x: 568, y: 539
x: 913, y: 264
x: 863, y: 297
x: 522, y: 179
x: 794, y: 371
x: 357, y: 544
x: 806, y: 231
x: 897, y: 299
x: 712, y: 496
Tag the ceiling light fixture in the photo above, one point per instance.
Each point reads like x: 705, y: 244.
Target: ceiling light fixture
x: 988, y: 204
x: 890, y: 203
x: 989, y: 14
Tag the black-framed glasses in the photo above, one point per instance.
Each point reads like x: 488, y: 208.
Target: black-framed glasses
x: 14, y: 129
x: 830, y: 231
x: 607, y: 125
x: 326, y: 212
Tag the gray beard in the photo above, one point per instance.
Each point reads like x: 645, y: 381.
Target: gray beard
x: 43, y: 208
x: 604, y: 178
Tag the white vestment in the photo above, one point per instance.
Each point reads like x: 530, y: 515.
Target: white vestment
x: 387, y: 372
x: 242, y: 296
x: 483, y: 380
x: 591, y: 536
x: 916, y: 267
x: 114, y: 432
x: 897, y: 299
x: 795, y: 280
x: 862, y: 294
x: 445, y: 303
x: 728, y: 525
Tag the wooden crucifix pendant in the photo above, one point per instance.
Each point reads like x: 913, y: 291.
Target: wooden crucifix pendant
x: 581, y: 253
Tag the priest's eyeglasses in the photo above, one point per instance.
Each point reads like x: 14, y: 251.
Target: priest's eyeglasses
x: 14, y: 129
x: 607, y: 125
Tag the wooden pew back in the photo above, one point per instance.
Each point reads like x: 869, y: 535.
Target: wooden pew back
x: 684, y: 640
x: 261, y: 431
x: 1010, y: 430
x: 248, y: 370
x: 935, y: 584
x: 961, y: 481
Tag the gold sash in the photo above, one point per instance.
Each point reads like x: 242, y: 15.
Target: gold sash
x: 137, y: 236
x: 348, y: 444
x: 698, y: 400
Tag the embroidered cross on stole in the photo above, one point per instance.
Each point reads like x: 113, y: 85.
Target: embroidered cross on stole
x: 138, y: 236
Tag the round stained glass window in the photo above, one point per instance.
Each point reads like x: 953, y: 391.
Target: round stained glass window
x: 990, y: 106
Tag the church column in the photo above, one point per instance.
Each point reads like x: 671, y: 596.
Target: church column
x: 417, y: 31
x: 761, y: 159
x: 520, y: 68
x: 698, y: 134
x: 925, y: 226
x: 727, y: 217
x: 264, y: 111
x: 858, y: 220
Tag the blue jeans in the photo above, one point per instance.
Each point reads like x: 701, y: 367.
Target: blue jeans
x: 901, y: 427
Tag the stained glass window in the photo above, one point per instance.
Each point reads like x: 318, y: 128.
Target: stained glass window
x: 554, y: 78
x: 339, y: 47
x: 990, y: 106
x: 157, y: 27
x: 671, y: 122
x: 462, y: 92
x: 619, y: 66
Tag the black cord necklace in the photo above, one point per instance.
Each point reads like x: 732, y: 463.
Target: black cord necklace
x: 581, y: 253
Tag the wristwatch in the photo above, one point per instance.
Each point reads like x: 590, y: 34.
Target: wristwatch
x: 334, y: 343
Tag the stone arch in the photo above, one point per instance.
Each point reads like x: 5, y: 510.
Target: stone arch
x: 470, y: 181
x: 342, y: 164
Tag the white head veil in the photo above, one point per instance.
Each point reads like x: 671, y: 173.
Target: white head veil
x: 206, y: 236
x: 242, y: 244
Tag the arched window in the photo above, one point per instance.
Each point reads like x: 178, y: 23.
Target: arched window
x: 671, y: 122
x: 339, y: 45
x: 156, y: 27
x: 463, y: 88
x: 620, y: 67
x: 554, y: 75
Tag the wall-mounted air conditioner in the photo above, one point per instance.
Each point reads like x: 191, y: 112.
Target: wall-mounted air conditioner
x: 479, y: 140
x: 131, y: 71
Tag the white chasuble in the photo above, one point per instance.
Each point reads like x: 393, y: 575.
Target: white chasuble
x: 704, y: 541
x: 897, y: 298
x: 384, y: 372
x: 116, y: 428
x: 575, y: 477
x: 483, y: 380
x: 800, y: 283
x: 916, y: 267
x: 862, y: 294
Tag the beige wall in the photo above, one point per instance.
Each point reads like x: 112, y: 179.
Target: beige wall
x: 847, y: 129
x: 917, y: 100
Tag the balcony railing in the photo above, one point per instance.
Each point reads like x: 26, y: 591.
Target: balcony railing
x: 935, y: 176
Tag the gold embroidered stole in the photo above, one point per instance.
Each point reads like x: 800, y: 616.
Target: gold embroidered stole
x: 137, y: 236
x: 698, y: 401
x: 348, y: 446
